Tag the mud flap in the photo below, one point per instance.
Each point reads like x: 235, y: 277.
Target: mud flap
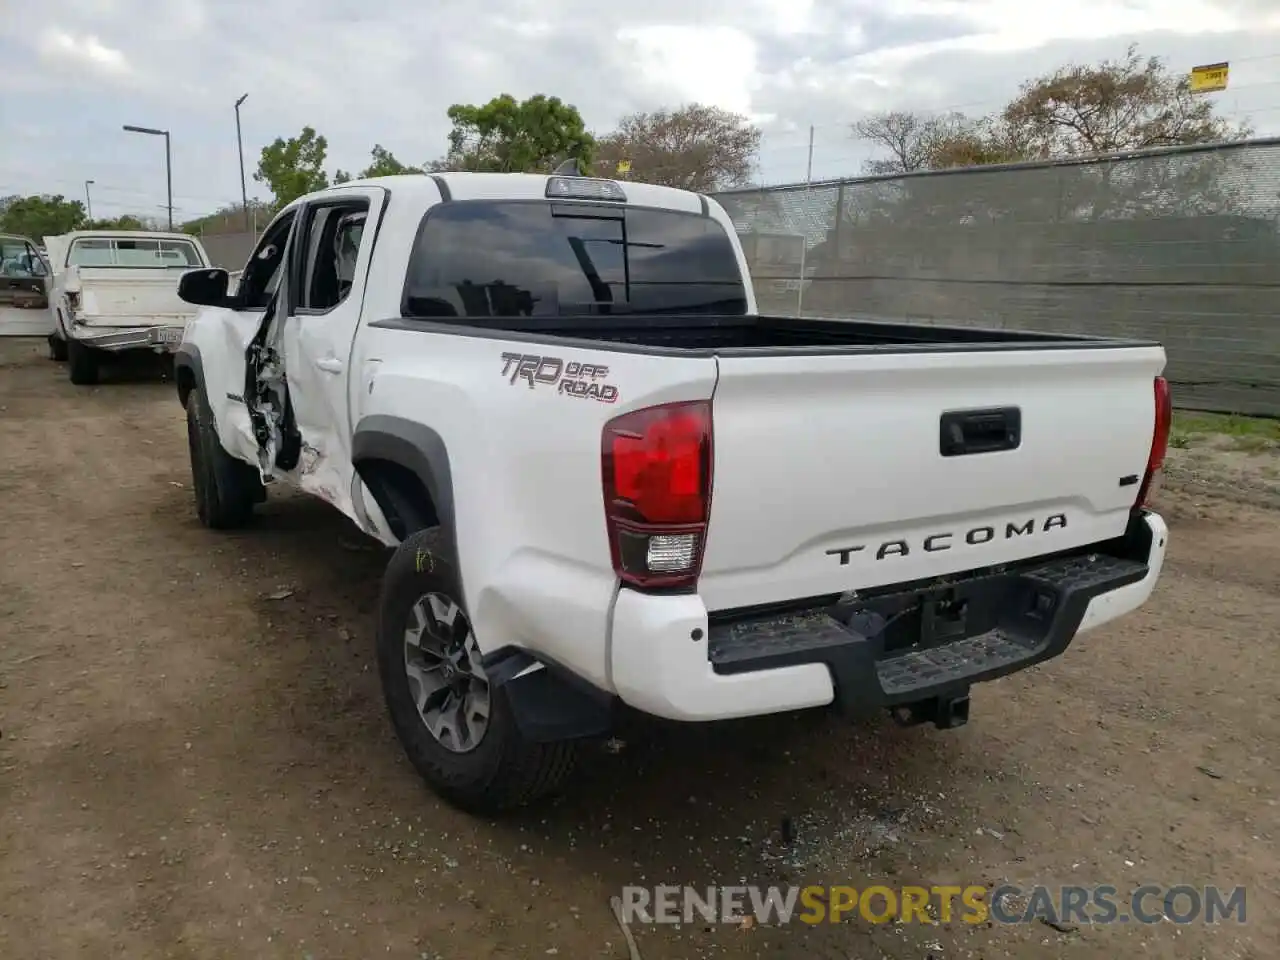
x: 549, y: 703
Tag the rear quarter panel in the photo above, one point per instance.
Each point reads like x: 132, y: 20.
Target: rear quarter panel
x: 524, y: 457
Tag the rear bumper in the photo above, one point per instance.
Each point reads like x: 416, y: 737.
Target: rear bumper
x: 669, y: 660
x: 161, y: 337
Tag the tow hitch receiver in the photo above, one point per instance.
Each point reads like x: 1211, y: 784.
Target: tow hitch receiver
x: 945, y: 713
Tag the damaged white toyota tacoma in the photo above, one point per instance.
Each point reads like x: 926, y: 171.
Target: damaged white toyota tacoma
x: 608, y: 481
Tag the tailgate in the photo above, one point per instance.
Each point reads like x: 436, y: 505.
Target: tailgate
x: 829, y: 476
x: 109, y: 299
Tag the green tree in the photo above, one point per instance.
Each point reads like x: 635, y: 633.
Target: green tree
x: 1128, y: 104
x: 125, y: 222
x: 510, y: 136
x: 384, y: 165
x: 294, y: 167
x: 41, y: 216
x: 231, y: 218
x: 695, y: 147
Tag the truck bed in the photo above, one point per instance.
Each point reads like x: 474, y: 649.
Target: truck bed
x: 738, y: 335
x: 895, y: 452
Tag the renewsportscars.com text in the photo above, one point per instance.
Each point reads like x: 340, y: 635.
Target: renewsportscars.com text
x: 1006, y: 904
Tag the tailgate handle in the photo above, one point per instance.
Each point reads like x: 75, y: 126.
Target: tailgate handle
x: 963, y: 432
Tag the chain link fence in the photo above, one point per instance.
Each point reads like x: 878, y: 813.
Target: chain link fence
x: 1178, y: 245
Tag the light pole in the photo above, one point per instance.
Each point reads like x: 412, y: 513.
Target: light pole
x: 88, y: 203
x: 244, y: 193
x: 168, y: 162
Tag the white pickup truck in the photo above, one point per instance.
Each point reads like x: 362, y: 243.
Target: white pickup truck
x: 608, y: 481
x: 115, y: 291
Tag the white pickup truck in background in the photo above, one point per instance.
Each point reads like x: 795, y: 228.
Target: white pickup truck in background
x: 117, y: 290
x: 608, y: 480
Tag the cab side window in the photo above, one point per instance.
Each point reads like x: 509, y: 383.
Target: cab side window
x: 36, y: 263
x: 333, y: 235
x: 20, y: 260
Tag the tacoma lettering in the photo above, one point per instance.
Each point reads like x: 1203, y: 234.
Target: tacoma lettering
x: 937, y: 542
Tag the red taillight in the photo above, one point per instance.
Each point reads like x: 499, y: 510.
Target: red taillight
x: 656, y: 466
x: 1159, y: 440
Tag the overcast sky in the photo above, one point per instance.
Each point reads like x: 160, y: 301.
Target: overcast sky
x: 362, y: 72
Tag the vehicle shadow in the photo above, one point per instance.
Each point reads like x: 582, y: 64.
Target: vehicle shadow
x: 131, y: 367
x: 135, y: 366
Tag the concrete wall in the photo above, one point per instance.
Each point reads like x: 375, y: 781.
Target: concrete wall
x: 229, y: 250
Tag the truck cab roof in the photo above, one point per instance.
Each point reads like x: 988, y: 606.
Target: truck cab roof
x: 513, y: 186
x: 128, y: 235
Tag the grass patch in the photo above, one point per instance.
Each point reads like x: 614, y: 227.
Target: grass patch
x: 1253, y: 434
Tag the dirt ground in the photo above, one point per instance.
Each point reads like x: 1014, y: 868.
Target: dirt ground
x: 195, y: 761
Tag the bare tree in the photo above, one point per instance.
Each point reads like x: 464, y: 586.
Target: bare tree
x: 914, y: 141
x: 694, y: 147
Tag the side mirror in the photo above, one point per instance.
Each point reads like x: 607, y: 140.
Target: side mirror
x: 206, y: 287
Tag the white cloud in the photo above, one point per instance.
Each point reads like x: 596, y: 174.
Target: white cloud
x: 703, y: 64
x: 1028, y: 24
x: 789, y: 17
x: 1010, y: 26
x: 60, y: 48
x: 364, y: 73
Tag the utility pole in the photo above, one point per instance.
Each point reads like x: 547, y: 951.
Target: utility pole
x: 88, y: 202
x: 244, y: 193
x: 168, y: 179
x: 168, y: 162
x: 804, y: 250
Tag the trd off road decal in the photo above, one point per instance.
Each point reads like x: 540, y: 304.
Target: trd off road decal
x: 580, y: 380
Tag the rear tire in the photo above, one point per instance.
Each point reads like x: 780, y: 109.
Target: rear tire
x: 225, y: 488
x: 57, y: 348
x: 83, y: 364
x: 484, y: 773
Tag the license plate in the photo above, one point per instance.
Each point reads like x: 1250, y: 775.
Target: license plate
x: 169, y: 336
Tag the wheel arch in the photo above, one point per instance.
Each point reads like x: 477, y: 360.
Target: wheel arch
x: 188, y: 371
x: 405, y: 466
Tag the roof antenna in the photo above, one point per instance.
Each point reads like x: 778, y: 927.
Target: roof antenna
x: 569, y: 168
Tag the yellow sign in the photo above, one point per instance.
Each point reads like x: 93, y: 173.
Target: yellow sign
x: 1209, y: 78
x: 624, y: 166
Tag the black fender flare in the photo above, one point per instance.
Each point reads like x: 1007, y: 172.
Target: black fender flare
x: 187, y: 357
x: 417, y: 448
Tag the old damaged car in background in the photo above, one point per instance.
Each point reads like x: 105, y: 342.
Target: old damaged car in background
x: 24, y: 274
x: 116, y: 291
